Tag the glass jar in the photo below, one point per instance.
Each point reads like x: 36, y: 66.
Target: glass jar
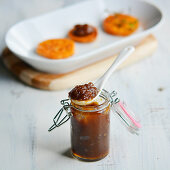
x: 90, y: 130
x: 90, y: 125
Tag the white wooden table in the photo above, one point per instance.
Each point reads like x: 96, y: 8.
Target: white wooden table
x: 26, y: 113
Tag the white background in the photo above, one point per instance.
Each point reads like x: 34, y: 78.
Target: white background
x: 26, y: 113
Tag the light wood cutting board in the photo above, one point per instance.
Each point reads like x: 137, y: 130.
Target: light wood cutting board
x: 47, y: 81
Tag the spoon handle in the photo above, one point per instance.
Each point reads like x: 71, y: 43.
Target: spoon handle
x: 120, y: 58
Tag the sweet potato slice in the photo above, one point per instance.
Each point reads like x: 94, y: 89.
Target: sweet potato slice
x: 56, y: 48
x: 120, y: 24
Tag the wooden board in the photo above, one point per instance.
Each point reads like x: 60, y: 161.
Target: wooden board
x: 47, y: 81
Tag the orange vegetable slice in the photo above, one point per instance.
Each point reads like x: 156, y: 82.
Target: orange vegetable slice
x: 120, y: 24
x: 56, y: 48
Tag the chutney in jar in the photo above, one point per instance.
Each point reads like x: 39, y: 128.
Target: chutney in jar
x: 90, y: 127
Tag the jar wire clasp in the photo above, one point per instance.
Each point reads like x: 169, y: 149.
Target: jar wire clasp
x: 58, y: 120
x: 119, y: 107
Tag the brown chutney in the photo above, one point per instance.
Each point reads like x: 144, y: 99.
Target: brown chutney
x: 83, y: 92
x: 83, y: 30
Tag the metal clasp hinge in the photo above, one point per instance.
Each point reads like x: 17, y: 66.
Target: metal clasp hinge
x: 112, y: 99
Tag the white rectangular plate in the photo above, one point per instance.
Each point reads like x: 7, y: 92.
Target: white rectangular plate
x: 23, y: 37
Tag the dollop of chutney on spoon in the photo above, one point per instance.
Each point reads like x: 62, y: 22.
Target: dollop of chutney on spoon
x: 84, y: 92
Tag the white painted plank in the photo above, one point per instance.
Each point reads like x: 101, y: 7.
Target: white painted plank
x: 26, y: 113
